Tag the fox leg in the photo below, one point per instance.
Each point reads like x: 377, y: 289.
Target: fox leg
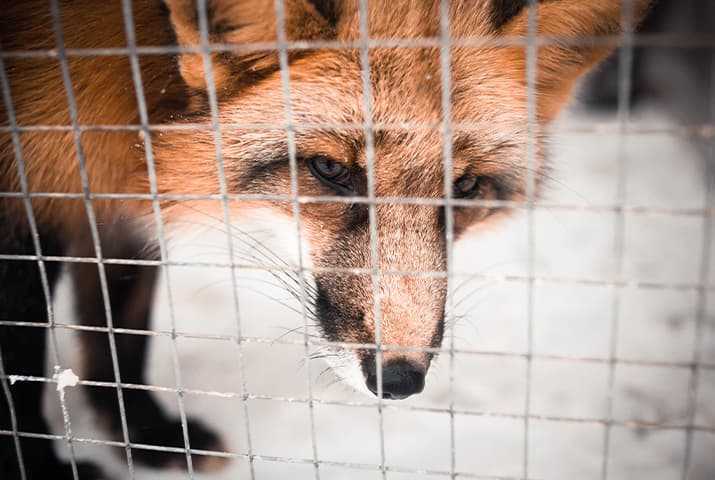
x: 23, y: 353
x: 130, y: 290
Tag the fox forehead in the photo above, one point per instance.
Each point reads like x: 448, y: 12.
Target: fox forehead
x: 327, y: 86
x: 328, y: 111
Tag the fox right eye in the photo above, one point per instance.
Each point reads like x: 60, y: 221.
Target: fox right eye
x: 332, y: 174
x: 474, y: 186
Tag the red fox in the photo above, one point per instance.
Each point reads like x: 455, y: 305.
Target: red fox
x: 45, y: 95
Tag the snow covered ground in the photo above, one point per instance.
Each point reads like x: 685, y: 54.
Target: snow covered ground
x: 654, y: 327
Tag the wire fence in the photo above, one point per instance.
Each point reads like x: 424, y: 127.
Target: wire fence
x: 623, y: 126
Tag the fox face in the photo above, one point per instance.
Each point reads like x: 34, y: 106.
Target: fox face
x: 404, y: 150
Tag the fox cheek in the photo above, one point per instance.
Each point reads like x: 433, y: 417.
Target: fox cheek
x: 339, y: 318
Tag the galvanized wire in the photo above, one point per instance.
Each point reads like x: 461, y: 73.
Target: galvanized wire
x: 531, y: 73
x: 369, y: 129
x: 445, y: 56
x: 293, y: 164
x: 701, y: 307
x: 94, y: 230
x: 673, y: 40
x: 625, y: 71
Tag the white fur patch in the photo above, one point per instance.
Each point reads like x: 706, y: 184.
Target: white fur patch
x: 260, y: 237
x: 347, y: 368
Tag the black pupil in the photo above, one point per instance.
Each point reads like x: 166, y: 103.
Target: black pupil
x: 328, y: 168
x: 333, y: 174
x: 467, y: 185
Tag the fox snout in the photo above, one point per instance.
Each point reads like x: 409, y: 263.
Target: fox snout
x: 399, y: 311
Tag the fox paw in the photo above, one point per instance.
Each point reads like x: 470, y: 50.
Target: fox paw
x: 59, y: 471
x: 85, y: 471
x: 171, y: 434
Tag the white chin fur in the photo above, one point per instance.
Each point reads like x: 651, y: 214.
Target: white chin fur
x: 347, y: 368
x: 276, y: 233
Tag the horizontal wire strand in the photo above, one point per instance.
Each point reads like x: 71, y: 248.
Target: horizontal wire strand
x: 677, y: 40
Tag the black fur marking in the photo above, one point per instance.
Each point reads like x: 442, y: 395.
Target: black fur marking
x: 23, y: 353
x: 259, y: 174
x: 368, y: 362
x: 327, y: 9
x: 442, y: 221
x: 131, y: 292
x: 437, y: 337
x: 337, y: 323
x: 504, y: 10
x: 328, y: 315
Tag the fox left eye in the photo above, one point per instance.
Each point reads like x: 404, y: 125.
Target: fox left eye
x: 473, y: 186
x: 332, y: 174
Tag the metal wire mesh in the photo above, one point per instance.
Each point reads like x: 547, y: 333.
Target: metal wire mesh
x: 623, y: 126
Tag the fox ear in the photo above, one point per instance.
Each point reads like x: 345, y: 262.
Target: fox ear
x: 239, y: 23
x: 571, y: 28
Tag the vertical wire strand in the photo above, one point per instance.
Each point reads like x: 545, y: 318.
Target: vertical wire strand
x: 13, y: 419
x: 89, y: 207
x: 158, y: 219
x: 625, y: 70
x: 704, y: 274
x: 531, y: 146
x: 446, y: 81
x: 216, y: 128
x: 66, y: 421
x: 293, y: 165
x: 37, y: 246
x: 363, y: 39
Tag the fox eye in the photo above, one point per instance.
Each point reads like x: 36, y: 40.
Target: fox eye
x: 332, y: 174
x: 472, y: 186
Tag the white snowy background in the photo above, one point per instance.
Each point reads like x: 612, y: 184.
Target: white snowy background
x: 569, y: 320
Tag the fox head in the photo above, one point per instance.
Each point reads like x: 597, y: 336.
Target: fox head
x: 404, y: 149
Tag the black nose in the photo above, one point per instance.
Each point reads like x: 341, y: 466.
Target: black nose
x: 400, y: 379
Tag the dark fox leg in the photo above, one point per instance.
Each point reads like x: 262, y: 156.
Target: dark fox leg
x: 131, y: 290
x: 23, y: 353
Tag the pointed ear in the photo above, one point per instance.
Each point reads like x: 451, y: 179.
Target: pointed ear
x: 572, y: 49
x: 239, y: 23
